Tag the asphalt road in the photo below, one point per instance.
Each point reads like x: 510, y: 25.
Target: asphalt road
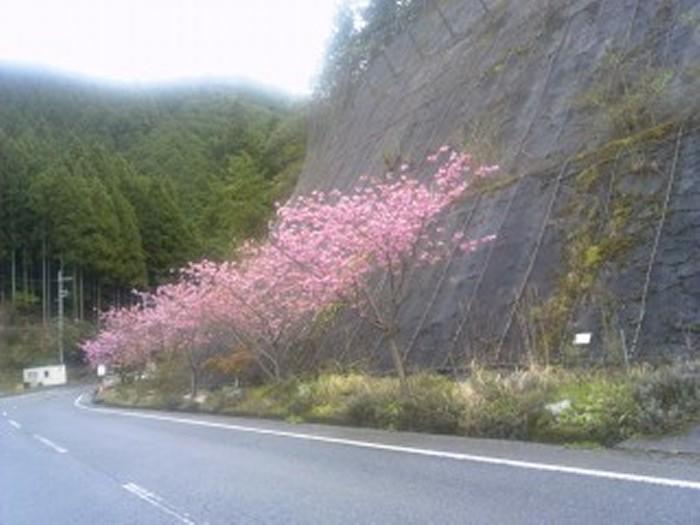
x: 65, y: 461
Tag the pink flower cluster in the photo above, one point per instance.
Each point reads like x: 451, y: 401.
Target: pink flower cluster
x: 321, y: 249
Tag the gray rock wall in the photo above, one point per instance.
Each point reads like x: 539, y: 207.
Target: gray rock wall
x: 590, y: 107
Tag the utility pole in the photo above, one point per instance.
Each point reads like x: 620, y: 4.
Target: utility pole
x: 62, y: 294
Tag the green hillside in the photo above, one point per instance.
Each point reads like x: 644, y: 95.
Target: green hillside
x: 120, y: 185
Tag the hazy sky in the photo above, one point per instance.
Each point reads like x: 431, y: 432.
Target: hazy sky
x: 273, y: 42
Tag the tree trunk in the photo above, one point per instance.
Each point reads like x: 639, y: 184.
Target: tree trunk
x: 398, y: 365
x: 81, y: 303
x: 45, y: 284
x: 74, y: 293
x: 48, y: 289
x: 269, y: 374
x: 194, y: 382
x: 44, y: 302
x: 25, y: 273
x: 13, y: 274
x: 98, y: 300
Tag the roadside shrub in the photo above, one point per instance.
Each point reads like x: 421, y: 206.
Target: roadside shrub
x: 270, y: 400
x: 505, y: 406
x: 668, y: 397
x: 121, y: 394
x: 300, y: 398
x: 10, y: 381
x: 434, y: 405
x: 602, y: 410
x: 333, y: 392
x: 381, y: 410
x: 169, y: 377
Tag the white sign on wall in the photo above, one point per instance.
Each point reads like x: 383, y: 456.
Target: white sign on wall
x: 101, y: 370
x: 583, y: 338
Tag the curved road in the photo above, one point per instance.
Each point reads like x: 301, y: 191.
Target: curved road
x: 65, y: 461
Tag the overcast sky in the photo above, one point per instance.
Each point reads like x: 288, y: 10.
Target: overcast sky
x: 273, y: 42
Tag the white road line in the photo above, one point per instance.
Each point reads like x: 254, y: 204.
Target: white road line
x: 157, y: 502
x: 4, y: 414
x: 50, y: 444
x: 14, y: 424
x: 529, y: 465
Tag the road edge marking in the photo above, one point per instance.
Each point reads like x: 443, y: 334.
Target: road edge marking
x: 15, y: 424
x: 156, y: 501
x: 471, y: 458
x: 50, y: 444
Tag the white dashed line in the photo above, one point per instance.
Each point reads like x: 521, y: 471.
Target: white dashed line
x: 50, y: 444
x: 14, y: 424
x: 528, y: 465
x: 157, y: 502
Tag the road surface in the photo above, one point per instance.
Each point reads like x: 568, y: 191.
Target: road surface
x: 66, y: 461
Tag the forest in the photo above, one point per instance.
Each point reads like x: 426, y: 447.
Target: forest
x: 117, y: 187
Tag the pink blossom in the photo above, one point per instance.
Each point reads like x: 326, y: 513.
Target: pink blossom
x: 323, y: 249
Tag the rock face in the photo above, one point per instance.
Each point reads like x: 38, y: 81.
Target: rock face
x: 591, y: 109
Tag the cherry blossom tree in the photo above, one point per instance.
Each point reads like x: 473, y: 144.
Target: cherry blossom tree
x: 341, y: 247
x: 354, y: 249
x: 175, y: 319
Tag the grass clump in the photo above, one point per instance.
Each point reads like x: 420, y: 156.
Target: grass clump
x: 602, y: 410
x: 669, y: 397
x: 435, y: 405
x: 10, y: 381
x: 507, y: 405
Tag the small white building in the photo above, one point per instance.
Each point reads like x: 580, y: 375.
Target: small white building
x: 45, y: 376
